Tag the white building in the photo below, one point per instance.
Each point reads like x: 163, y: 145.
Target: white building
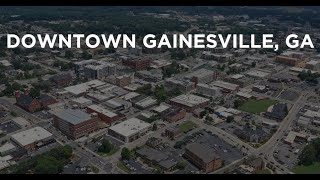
x: 129, y: 130
x: 33, y: 138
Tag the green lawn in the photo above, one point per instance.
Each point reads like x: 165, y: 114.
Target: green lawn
x: 263, y: 171
x: 312, y: 169
x: 186, y: 126
x: 257, y: 106
x: 123, y: 167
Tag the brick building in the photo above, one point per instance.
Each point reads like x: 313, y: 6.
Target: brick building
x: 136, y: 63
x: 203, y: 156
x: 61, y: 80
x: 175, y: 114
x: 75, y: 123
x: 104, y: 114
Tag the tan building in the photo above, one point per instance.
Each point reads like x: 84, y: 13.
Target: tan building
x: 313, y: 65
x: 122, y: 81
x: 290, y: 61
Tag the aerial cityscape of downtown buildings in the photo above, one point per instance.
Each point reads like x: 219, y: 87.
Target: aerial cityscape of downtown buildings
x: 159, y: 110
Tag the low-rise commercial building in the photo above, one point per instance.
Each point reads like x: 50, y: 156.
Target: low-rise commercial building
x: 225, y: 86
x: 7, y: 148
x: 21, y: 122
x: 189, y: 102
x: 153, y: 75
x: 104, y: 114
x: 182, y: 84
x: 295, y: 137
x: 81, y: 102
x: 203, y: 156
x: 129, y: 130
x: 33, y: 138
x: 175, y: 114
x: 202, y: 76
x: 136, y: 63
x: 313, y: 65
x: 145, y: 103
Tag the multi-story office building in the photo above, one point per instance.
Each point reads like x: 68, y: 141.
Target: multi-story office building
x: 183, y: 85
x: 99, y: 70
x: 75, y: 123
x: 208, y: 90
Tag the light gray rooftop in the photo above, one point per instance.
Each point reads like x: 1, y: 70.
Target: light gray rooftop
x: 73, y: 116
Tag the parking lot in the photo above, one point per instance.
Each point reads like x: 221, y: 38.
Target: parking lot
x: 289, y: 95
x: 288, y: 154
x: 77, y: 167
x: 226, y: 151
x: 8, y: 127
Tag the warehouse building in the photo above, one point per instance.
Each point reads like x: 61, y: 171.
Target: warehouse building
x: 33, y: 138
x: 129, y: 130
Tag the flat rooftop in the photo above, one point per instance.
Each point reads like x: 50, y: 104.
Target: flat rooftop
x: 130, y: 127
x: 31, y: 136
x: 84, y: 87
x: 203, y: 151
x: 257, y: 73
x: 200, y: 73
x: 6, y: 147
x: 103, y: 111
x: 146, y: 102
x: 189, y: 100
x: 21, y: 121
x: 161, y: 108
x: 130, y: 95
x: 81, y: 100
x: 225, y: 85
x: 209, y: 86
x: 73, y: 116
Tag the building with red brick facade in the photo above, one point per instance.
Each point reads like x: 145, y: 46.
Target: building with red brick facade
x: 175, y: 114
x: 203, y: 156
x: 136, y: 63
x: 75, y: 123
x: 105, y: 115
